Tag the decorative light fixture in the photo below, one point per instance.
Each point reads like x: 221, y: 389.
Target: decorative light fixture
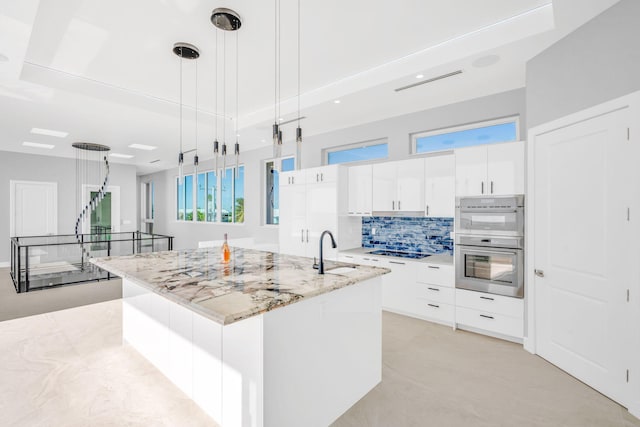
x: 226, y: 20
x: 216, y: 144
x: 277, y: 132
x: 298, y: 129
x: 184, y: 51
x: 195, y: 157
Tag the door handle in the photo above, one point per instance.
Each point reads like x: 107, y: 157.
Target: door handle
x: 539, y: 273
x: 321, y: 176
x: 307, y: 235
x: 482, y: 187
x: 302, y: 235
x: 293, y: 179
x: 393, y: 205
x: 433, y: 305
x: 434, y: 289
x: 398, y: 204
x: 490, y: 299
x: 427, y: 210
x: 486, y: 317
x: 433, y: 266
x: 317, y: 177
x: 491, y: 187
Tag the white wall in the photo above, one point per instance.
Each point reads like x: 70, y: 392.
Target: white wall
x: 396, y: 130
x: 598, y: 62
x: 30, y: 167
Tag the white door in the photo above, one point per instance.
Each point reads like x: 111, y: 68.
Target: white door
x: 360, y: 186
x: 471, y: 171
x: 384, y: 187
x: 34, y: 208
x: 505, y: 168
x: 582, y: 241
x: 410, y: 181
x: 322, y: 212
x: 440, y: 186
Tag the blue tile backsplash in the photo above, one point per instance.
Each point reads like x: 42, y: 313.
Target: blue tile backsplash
x: 408, y: 234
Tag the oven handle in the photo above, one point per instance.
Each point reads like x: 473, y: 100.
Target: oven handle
x: 515, y: 252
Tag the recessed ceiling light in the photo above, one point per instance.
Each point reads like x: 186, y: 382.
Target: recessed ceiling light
x: 281, y: 119
x: 121, y: 156
x: 49, y: 132
x: 337, y: 101
x: 3, y: 57
x: 237, y: 134
x: 262, y: 140
x: 419, y: 76
x: 38, y: 145
x: 142, y: 147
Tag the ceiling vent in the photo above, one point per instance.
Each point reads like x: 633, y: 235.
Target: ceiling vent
x: 433, y: 79
x: 154, y: 161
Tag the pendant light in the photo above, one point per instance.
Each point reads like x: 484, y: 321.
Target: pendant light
x: 195, y: 158
x: 277, y: 132
x: 216, y: 144
x: 298, y: 129
x: 183, y: 51
x: 236, y: 148
x: 226, y: 20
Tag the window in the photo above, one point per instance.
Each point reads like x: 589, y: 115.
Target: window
x: 272, y: 180
x: 361, y: 152
x: 185, y: 198
x: 503, y: 130
x: 208, y: 198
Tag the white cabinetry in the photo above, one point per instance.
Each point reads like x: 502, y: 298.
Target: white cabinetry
x: 488, y: 312
x: 494, y: 169
x: 310, y: 202
x: 439, y: 186
x: 360, y: 190
x: 398, y: 186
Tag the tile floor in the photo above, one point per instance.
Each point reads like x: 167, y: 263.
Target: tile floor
x: 69, y: 368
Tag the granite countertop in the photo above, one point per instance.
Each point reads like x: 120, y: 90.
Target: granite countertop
x: 253, y: 282
x: 442, y: 259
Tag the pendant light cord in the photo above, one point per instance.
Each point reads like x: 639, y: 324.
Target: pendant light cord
x: 215, y: 86
x: 224, y: 88
x: 237, y: 77
x: 196, y: 108
x: 298, y: 63
x: 279, y: 61
x: 180, y: 100
x: 275, y: 62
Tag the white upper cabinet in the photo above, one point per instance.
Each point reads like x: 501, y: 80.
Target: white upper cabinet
x: 360, y: 190
x: 398, y: 186
x: 439, y: 186
x: 505, y: 168
x: 495, y: 169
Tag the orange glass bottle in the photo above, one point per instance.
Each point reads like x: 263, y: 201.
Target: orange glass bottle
x: 226, y: 252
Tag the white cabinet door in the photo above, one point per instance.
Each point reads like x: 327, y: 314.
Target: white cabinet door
x: 440, y: 186
x: 471, y: 171
x: 292, y: 178
x: 322, y: 174
x: 505, y: 168
x: 410, y: 185
x: 360, y: 190
x: 384, y: 187
x: 293, y: 219
x: 321, y: 202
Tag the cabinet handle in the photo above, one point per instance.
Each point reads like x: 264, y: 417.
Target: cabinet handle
x: 374, y: 260
x: 433, y: 266
x: 491, y: 187
x: 317, y: 178
x: 302, y: 235
x: 434, y: 289
x: 433, y: 305
x: 293, y: 179
x: 486, y: 317
x: 307, y: 235
x: 366, y: 259
x: 393, y: 205
x: 322, y: 177
x: 482, y: 187
x: 398, y: 204
x: 396, y: 262
x: 348, y: 256
x: 427, y: 210
x: 490, y: 299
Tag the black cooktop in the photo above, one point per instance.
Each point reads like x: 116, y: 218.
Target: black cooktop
x: 412, y: 255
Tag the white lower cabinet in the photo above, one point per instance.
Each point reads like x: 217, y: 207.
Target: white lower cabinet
x: 492, y: 313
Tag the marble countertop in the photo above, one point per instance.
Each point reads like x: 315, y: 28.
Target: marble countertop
x: 253, y: 282
x: 441, y: 259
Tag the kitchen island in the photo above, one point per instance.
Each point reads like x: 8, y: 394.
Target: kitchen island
x: 263, y: 340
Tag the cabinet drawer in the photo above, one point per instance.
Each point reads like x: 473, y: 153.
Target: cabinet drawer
x: 436, y: 274
x: 441, y: 294
x: 443, y: 313
x: 492, y: 322
x: 507, y: 306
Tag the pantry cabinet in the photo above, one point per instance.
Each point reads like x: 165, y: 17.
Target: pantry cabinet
x: 494, y: 169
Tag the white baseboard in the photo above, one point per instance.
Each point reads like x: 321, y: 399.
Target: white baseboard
x: 4, y: 264
x: 634, y: 410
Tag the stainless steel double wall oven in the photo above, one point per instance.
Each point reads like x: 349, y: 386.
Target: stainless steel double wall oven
x: 490, y: 244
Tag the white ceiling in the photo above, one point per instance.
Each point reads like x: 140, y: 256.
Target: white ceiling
x: 104, y: 71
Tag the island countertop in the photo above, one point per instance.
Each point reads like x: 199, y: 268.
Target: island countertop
x: 251, y: 283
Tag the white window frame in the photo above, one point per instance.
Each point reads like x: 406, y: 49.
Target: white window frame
x: 265, y: 197
x: 362, y: 144
x: 440, y: 131
x: 194, y: 192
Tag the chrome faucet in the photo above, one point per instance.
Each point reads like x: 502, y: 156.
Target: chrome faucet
x: 333, y: 244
